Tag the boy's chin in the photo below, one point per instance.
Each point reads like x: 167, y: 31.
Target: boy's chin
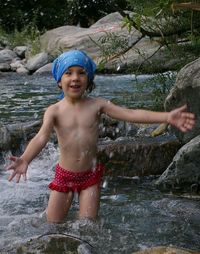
x: 75, y: 95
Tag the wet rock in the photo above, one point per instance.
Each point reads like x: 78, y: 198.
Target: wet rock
x: 165, y: 250
x: 137, y: 156
x: 5, y: 138
x: 84, y: 249
x: 162, y: 128
x: 186, y: 91
x: 183, y: 173
x: 111, y: 128
x: 49, y: 244
x: 14, y: 135
x: 123, y: 156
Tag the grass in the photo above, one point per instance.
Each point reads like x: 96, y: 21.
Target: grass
x: 29, y: 36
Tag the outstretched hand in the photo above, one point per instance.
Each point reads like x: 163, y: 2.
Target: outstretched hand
x: 181, y: 119
x: 19, y: 167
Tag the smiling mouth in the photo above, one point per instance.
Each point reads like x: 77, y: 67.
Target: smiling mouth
x: 75, y: 86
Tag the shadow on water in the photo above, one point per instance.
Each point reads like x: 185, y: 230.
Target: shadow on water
x: 133, y: 215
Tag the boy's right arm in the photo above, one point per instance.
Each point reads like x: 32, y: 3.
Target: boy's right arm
x: 19, y: 165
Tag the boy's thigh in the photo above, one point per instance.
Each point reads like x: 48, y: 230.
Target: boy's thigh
x: 58, y: 205
x: 89, y: 200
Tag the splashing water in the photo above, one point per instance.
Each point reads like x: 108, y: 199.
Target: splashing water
x: 131, y: 212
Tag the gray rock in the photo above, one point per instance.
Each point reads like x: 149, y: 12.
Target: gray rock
x: 44, y: 69
x: 183, y: 173
x: 5, y: 138
x: 4, y: 67
x: 13, y: 135
x: 84, y: 249
x: 137, y: 156
x: 37, y: 61
x: 65, y: 38
x: 186, y: 91
x: 16, y: 64
x: 22, y: 70
x: 20, y: 51
x: 7, y: 55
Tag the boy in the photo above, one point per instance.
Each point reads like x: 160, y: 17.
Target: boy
x: 75, y: 120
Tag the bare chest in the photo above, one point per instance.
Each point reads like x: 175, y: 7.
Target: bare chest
x: 78, y: 120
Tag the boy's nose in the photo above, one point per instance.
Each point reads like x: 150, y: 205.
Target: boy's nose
x: 75, y: 76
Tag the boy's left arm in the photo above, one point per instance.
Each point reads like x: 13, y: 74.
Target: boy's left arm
x: 181, y: 119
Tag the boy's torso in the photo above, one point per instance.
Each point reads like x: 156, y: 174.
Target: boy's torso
x: 77, y: 127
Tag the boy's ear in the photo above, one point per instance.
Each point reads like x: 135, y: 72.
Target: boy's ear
x: 59, y: 85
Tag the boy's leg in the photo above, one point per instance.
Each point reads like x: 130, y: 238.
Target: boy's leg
x: 58, y: 205
x: 89, y: 200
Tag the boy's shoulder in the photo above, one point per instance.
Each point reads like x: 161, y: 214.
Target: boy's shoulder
x: 97, y: 100
x: 53, y: 108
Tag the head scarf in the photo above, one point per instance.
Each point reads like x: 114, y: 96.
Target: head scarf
x: 73, y: 58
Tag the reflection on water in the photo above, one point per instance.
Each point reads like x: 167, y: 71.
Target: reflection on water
x: 24, y: 98
x: 133, y: 214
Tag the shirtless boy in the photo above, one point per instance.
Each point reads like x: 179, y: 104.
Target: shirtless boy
x: 75, y: 120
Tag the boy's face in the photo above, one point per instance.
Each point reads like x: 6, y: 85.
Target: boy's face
x: 74, y: 82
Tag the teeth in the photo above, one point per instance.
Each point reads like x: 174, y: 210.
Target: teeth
x: 75, y: 86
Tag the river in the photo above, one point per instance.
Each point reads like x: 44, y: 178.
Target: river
x: 134, y: 215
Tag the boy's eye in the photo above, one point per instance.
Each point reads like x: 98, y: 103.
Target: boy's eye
x: 68, y: 72
x: 82, y: 72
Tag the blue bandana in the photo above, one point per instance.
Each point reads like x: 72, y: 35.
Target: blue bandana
x: 73, y: 58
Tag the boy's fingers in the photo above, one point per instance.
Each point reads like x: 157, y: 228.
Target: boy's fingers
x: 13, y: 158
x: 188, y: 115
x: 18, y: 176
x: 10, y: 167
x: 24, y: 176
x: 11, y: 176
x: 183, y: 129
x: 184, y: 106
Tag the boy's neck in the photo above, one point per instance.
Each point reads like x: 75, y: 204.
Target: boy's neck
x: 74, y: 101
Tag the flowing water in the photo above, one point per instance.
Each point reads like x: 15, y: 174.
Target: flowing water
x: 134, y: 215
x: 25, y: 97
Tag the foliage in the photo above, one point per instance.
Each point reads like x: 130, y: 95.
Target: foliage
x: 161, y: 10
x: 15, y: 14
x: 29, y: 36
x: 87, y: 12
x: 175, y: 32
x: 110, y: 44
x: 160, y: 85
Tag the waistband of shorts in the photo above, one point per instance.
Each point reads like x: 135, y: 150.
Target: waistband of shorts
x: 98, y: 167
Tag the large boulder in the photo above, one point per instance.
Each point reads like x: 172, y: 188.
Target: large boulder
x: 37, y: 61
x: 183, y: 173
x: 186, y: 91
x: 137, y: 156
x: 66, y: 38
